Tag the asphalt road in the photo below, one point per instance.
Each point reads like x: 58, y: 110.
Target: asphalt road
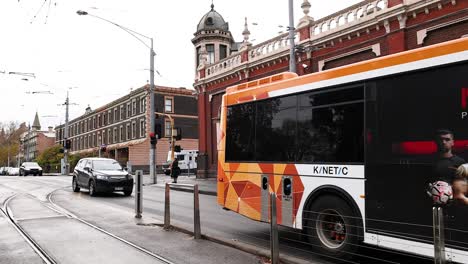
x: 114, y: 212
x: 67, y: 234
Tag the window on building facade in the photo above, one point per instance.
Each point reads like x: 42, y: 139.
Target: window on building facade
x: 222, y: 52
x: 211, y: 53
x: 122, y: 113
x: 134, y: 129
x: 121, y: 133
x: 114, y: 135
x: 134, y: 109
x: 93, y: 140
x: 142, y: 104
x: 94, y: 123
x: 142, y: 127
x: 167, y: 128
x: 169, y: 104
x: 100, y: 120
x: 115, y: 115
x: 197, y: 55
x: 129, y: 113
x: 128, y: 131
x: 108, y: 136
x: 109, y: 120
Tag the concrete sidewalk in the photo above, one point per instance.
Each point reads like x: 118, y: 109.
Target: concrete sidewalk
x: 205, y: 186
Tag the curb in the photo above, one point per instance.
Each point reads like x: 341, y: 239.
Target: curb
x: 251, y: 249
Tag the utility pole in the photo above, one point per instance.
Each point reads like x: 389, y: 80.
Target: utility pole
x: 65, y: 137
x: 292, y: 57
x: 152, y: 117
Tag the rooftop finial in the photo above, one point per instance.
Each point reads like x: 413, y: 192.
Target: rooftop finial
x: 246, y: 32
x: 212, y: 5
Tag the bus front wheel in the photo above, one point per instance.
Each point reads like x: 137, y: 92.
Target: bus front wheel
x: 331, y: 227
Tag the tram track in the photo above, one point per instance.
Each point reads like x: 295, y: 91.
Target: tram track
x: 41, y: 252
x: 71, y: 215
x: 32, y: 243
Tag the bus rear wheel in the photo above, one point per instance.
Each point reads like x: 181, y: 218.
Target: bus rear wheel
x: 331, y: 227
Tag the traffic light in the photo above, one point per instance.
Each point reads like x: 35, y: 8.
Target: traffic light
x: 177, y: 148
x: 158, y: 130
x: 153, y: 138
x: 178, y: 133
x: 68, y: 144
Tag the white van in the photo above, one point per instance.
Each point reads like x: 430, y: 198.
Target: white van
x: 187, y: 160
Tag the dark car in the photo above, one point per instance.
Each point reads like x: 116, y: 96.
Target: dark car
x: 28, y: 168
x: 101, y: 175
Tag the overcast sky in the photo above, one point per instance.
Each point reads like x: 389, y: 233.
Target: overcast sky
x: 98, y: 62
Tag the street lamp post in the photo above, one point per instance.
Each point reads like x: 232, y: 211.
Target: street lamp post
x: 292, y: 58
x: 65, y: 137
x: 152, y: 157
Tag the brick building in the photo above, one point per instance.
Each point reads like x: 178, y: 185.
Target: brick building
x: 121, y: 126
x: 34, y: 141
x: 366, y: 30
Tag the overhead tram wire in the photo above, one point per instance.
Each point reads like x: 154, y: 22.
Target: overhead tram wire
x: 38, y: 11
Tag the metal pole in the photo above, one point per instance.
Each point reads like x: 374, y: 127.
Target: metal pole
x: 292, y: 58
x: 139, y: 194
x: 8, y: 154
x: 152, y: 157
x: 274, y: 243
x: 65, y: 137
x: 196, y: 213
x: 439, y: 236
x: 167, y: 207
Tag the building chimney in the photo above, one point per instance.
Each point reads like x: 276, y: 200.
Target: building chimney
x: 51, y: 129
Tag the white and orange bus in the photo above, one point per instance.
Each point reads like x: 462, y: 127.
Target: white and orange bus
x: 349, y: 151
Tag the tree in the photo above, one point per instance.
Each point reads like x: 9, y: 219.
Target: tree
x: 9, y: 141
x: 50, y: 159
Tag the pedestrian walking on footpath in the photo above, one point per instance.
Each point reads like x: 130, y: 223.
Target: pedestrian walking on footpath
x: 175, y: 170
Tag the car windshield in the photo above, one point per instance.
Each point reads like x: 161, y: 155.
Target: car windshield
x: 106, y: 165
x: 31, y: 164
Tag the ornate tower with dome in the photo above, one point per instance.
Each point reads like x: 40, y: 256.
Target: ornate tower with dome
x: 212, y: 40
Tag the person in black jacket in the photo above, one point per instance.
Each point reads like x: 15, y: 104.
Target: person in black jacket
x: 175, y: 170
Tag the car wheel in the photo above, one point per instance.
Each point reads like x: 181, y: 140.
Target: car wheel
x: 40, y: 173
x: 92, y: 188
x: 331, y: 227
x: 75, y: 186
x: 128, y: 193
x: 19, y: 173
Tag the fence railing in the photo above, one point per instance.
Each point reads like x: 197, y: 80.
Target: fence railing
x: 196, y: 207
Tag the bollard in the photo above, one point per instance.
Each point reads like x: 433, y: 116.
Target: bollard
x: 167, y: 208
x: 274, y: 243
x: 196, y: 213
x: 139, y: 194
x: 439, y: 236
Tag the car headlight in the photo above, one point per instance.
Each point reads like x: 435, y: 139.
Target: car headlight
x: 101, y: 177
